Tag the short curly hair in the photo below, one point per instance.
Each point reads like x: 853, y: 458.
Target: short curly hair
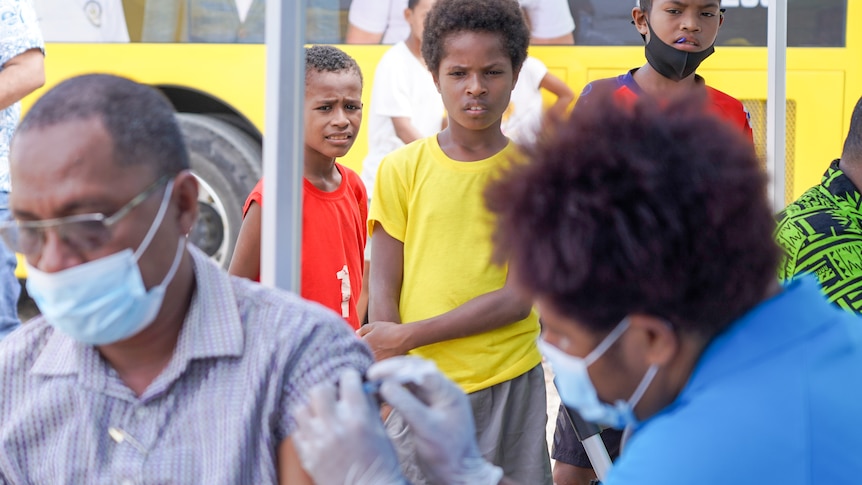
x: 640, y: 209
x: 503, y: 17
x: 133, y: 114
x: 326, y: 58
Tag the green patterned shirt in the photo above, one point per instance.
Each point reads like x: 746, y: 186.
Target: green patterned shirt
x: 821, y: 234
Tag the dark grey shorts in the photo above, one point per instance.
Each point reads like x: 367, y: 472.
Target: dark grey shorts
x: 568, y: 449
x: 510, y: 429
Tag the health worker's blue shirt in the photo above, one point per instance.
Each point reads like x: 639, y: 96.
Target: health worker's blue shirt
x: 775, y: 399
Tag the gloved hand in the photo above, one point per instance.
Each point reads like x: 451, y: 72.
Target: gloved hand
x: 440, y: 419
x: 340, y: 440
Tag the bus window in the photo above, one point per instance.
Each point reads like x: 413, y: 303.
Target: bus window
x: 810, y: 23
x: 166, y: 21
x: 604, y: 22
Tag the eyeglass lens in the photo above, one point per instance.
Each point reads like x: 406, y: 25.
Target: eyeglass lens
x: 82, y: 236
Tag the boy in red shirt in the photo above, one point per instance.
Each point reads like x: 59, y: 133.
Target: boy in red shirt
x: 678, y: 36
x: 334, y: 200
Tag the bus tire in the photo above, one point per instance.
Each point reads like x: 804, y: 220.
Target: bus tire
x: 227, y: 164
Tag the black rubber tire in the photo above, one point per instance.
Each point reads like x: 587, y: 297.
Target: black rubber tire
x: 227, y: 163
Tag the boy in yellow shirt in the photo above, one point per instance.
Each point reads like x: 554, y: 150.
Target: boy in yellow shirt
x: 435, y: 291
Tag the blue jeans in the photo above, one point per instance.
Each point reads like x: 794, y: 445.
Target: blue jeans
x: 10, y: 289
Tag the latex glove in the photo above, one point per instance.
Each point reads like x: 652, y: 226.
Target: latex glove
x: 440, y: 418
x: 340, y: 438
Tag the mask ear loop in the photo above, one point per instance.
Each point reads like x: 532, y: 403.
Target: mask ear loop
x: 176, y: 264
x: 157, y: 221
x: 607, y: 342
x: 642, y: 387
x: 633, y: 401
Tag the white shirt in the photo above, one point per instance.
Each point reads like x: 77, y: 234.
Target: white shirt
x: 386, y: 16
x: 403, y: 87
x: 82, y: 20
x: 549, y: 18
x: 523, y: 117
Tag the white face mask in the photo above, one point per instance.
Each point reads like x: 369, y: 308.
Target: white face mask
x: 577, y: 390
x: 103, y: 301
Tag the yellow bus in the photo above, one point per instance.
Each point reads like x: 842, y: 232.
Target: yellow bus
x: 213, y: 72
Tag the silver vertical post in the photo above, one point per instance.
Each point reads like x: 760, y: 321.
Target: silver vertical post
x: 281, y: 230
x: 776, y: 101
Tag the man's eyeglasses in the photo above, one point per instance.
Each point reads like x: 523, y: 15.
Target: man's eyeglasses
x: 82, y: 232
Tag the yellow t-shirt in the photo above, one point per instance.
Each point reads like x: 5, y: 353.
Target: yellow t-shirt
x: 435, y: 206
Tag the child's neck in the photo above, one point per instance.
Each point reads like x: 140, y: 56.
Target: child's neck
x: 322, y: 173
x: 471, y: 145
x: 658, y: 86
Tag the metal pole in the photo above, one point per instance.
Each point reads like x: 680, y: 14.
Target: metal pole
x: 281, y: 225
x: 776, y: 101
x: 590, y: 437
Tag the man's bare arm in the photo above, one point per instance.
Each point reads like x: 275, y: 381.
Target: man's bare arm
x: 290, y: 471
x: 20, y: 76
x: 355, y: 35
x: 405, y: 130
x: 565, y: 39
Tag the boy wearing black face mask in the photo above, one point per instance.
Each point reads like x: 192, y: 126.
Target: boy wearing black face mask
x: 678, y: 36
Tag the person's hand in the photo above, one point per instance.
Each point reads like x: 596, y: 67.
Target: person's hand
x: 440, y: 418
x: 386, y: 339
x: 341, y: 440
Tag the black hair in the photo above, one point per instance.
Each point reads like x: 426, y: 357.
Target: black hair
x: 502, y: 17
x: 853, y: 142
x: 659, y: 210
x: 411, y: 4
x: 326, y: 58
x: 139, y: 119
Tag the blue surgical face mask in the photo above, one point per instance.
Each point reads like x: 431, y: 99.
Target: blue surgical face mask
x: 103, y: 301
x: 577, y: 390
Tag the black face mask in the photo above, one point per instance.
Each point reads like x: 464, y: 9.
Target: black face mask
x: 672, y: 63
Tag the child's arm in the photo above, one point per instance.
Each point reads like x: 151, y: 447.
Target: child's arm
x: 387, y: 254
x: 246, y: 255
x: 405, y: 130
x: 564, y: 94
x: 481, y: 314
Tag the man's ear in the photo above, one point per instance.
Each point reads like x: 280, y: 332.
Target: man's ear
x: 436, y: 77
x: 659, y: 341
x: 186, y: 193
